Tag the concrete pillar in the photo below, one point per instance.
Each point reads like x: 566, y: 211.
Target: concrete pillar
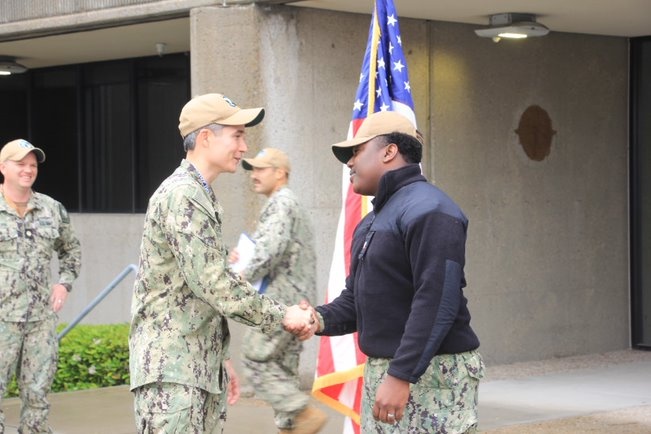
x: 226, y: 45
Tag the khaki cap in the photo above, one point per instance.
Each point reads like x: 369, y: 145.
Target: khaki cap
x: 17, y: 149
x: 268, y: 157
x: 377, y: 124
x: 215, y: 108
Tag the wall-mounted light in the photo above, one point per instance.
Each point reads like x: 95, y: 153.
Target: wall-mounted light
x: 8, y: 66
x: 512, y: 25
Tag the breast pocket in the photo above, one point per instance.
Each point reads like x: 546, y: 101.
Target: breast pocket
x: 42, y: 239
x: 8, y: 239
x: 48, y: 233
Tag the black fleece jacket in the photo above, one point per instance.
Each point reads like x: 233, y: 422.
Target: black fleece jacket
x: 404, y: 292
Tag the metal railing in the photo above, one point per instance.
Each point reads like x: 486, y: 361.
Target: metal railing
x: 98, y: 299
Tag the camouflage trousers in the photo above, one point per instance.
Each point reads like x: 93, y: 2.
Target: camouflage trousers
x: 171, y: 408
x: 276, y: 381
x: 444, y: 400
x: 30, y: 349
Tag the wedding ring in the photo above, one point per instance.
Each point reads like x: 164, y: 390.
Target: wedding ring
x: 391, y: 415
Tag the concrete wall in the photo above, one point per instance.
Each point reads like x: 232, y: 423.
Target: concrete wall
x: 548, y: 242
x: 547, y: 261
x: 109, y: 243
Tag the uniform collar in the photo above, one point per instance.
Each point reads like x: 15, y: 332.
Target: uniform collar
x: 393, y: 181
x: 196, y: 175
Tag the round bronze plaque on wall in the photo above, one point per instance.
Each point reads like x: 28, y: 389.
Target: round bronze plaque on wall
x: 535, y: 133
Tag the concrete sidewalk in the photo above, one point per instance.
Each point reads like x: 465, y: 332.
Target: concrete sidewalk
x: 600, y: 393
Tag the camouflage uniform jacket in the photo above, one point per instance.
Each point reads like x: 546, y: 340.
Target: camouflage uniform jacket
x: 26, y: 248
x: 185, y: 290
x: 284, y: 250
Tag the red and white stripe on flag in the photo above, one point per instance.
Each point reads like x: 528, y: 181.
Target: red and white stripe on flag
x: 383, y: 85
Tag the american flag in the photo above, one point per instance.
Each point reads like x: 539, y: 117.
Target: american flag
x: 383, y: 85
x: 384, y: 79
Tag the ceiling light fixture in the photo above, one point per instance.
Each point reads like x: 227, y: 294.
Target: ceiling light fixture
x: 161, y: 48
x: 8, y: 66
x: 512, y: 25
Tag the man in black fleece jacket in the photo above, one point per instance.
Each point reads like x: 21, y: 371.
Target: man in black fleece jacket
x: 404, y: 292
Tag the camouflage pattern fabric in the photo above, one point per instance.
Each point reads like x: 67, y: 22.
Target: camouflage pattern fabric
x: 276, y: 381
x: 444, y: 400
x: 27, y: 321
x: 26, y: 249
x: 284, y: 253
x: 284, y: 250
x: 168, y: 408
x: 185, y: 291
x: 36, y: 346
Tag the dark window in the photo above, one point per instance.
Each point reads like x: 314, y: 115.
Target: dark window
x: 109, y: 129
x: 13, y: 110
x: 640, y: 187
x: 53, y: 124
x: 163, y: 89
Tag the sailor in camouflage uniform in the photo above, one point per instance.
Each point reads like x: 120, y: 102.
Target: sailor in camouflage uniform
x: 33, y: 227
x: 284, y: 259
x: 184, y: 290
x: 404, y: 293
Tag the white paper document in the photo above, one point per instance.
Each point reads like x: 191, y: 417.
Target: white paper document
x: 245, y: 249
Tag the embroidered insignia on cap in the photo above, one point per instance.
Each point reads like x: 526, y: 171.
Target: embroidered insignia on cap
x: 230, y: 101
x: 25, y: 144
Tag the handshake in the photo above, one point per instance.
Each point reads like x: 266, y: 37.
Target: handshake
x: 301, y: 320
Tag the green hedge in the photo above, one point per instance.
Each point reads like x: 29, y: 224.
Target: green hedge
x: 90, y: 356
